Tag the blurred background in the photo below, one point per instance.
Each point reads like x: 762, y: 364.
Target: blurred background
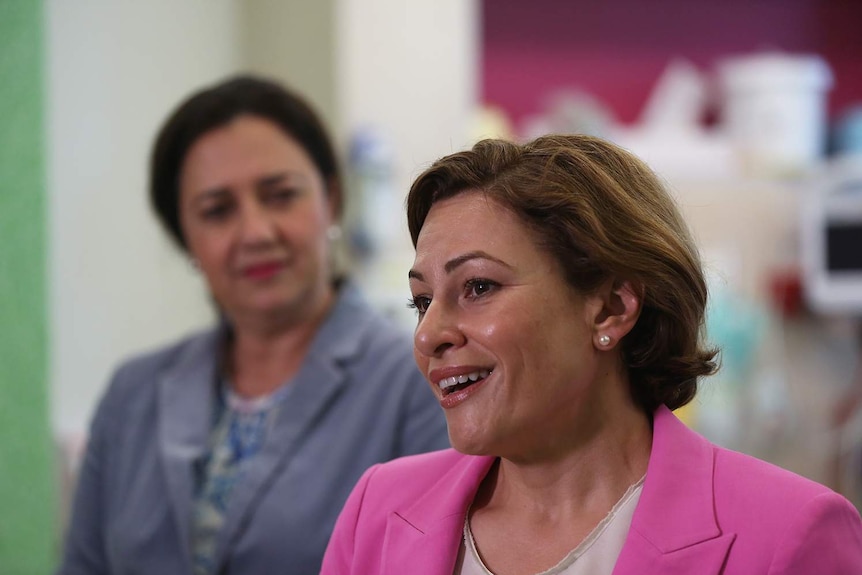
x: 751, y: 110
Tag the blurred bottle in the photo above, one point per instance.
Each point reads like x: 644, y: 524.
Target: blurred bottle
x: 848, y: 131
x: 381, y: 249
x: 377, y: 218
x: 736, y: 325
x: 775, y: 111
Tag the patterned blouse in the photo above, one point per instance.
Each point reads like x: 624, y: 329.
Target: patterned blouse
x: 239, y: 433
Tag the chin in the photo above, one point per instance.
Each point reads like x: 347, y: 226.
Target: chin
x: 468, y: 445
x: 276, y: 303
x: 476, y: 452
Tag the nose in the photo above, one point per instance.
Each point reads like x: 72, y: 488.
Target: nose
x: 256, y: 225
x: 438, y: 330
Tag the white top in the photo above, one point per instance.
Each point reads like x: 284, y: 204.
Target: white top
x: 595, y: 555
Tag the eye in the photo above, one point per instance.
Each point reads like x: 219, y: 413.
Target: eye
x: 281, y: 196
x: 420, y: 303
x: 216, y: 212
x: 479, y: 287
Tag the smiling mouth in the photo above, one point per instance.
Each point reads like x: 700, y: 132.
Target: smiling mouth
x: 458, y: 382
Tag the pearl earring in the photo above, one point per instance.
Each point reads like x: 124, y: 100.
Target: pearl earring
x: 604, y: 340
x: 333, y: 233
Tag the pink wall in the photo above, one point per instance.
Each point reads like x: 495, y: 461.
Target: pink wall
x: 616, y: 49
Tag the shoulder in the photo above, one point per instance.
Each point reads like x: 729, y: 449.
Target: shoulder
x: 695, y: 489
x: 804, y: 526
x: 359, y: 336
x: 739, y: 481
x: 379, y: 331
x: 747, y: 494
x: 756, y: 494
x: 744, y: 481
x: 139, y: 373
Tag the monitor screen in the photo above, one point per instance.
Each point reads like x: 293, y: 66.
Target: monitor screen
x: 844, y: 247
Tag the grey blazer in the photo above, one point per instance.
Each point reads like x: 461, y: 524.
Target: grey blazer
x: 358, y: 399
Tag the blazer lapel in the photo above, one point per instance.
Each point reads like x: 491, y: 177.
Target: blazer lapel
x: 642, y: 557
x: 318, y: 382
x: 186, y: 396
x: 674, y: 530
x: 424, y: 539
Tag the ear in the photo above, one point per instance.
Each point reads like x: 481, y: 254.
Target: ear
x: 620, y: 309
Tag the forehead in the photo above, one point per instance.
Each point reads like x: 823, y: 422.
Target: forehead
x: 242, y: 148
x: 473, y: 221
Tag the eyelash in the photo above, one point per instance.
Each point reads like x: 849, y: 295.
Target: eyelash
x: 216, y: 212
x: 471, y: 285
x: 283, y: 195
x: 421, y: 303
x: 414, y: 303
x: 277, y: 197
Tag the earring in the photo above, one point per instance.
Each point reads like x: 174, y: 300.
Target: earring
x: 604, y: 340
x: 333, y: 233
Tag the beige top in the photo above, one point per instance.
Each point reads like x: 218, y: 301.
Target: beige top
x: 595, y: 555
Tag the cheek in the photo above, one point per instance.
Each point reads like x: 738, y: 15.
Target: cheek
x: 318, y: 210
x: 512, y: 334
x: 421, y: 361
x: 529, y: 351
x: 211, y: 251
x: 308, y: 227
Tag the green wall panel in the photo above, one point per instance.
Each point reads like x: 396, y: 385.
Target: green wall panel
x: 28, y: 531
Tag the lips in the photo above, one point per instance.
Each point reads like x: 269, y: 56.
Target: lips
x: 458, y: 383
x: 454, y: 383
x: 262, y: 271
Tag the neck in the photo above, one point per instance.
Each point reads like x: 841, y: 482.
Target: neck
x: 585, y: 479
x: 264, y: 353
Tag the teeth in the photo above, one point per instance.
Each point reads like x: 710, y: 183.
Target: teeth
x: 448, y: 382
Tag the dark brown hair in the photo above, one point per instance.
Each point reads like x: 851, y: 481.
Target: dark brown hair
x: 216, y: 106
x: 603, y: 215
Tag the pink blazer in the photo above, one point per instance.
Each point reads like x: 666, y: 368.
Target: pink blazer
x: 704, y: 510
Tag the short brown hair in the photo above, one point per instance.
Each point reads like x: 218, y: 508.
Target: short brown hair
x: 603, y: 214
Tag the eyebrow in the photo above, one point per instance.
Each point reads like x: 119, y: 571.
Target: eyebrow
x: 454, y: 263
x: 280, y: 177
x: 264, y: 182
x: 209, y: 194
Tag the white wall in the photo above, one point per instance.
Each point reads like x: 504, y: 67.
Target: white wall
x: 114, y: 70
x: 294, y: 40
x: 409, y: 70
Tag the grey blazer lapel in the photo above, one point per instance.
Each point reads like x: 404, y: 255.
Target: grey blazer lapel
x: 316, y: 385
x: 186, y: 397
x: 322, y: 375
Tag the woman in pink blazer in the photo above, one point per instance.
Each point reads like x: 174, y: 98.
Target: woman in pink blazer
x: 560, y: 306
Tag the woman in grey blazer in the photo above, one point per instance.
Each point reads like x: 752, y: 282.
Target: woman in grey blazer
x: 233, y: 450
